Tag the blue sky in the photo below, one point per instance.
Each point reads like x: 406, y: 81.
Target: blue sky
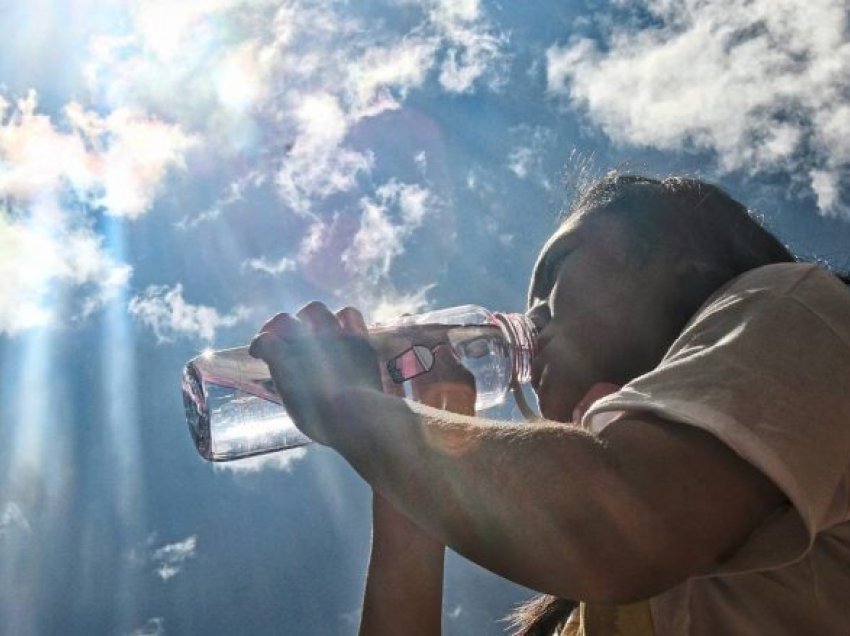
x: 171, y: 173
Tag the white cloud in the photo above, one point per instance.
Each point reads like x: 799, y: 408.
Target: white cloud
x: 421, y: 161
x: 43, y: 250
x: 38, y: 159
x: 475, y: 51
x: 520, y: 161
x: 312, y: 243
x: 54, y: 174
x: 153, y: 627
x: 283, y: 462
x: 303, y: 72
x: 309, y: 74
x: 170, y: 559
x: 233, y: 193
x: 12, y: 518
x: 313, y: 240
x: 138, y: 151
x: 761, y: 83
x: 384, y: 303
x: 199, y: 62
x: 385, y: 71
x: 165, y: 28
x: 387, y: 221
x: 206, y: 216
x: 455, y: 613
x: 526, y: 159
x: 167, y: 313
x: 826, y: 185
x: 270, y: 267
x: 117, y: 161
x: 318, y: 164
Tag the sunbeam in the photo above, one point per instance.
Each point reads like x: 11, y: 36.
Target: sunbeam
x: 38, y: 476
x: 120, y: 412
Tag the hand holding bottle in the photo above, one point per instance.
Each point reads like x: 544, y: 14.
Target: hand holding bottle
x: 314, y: 357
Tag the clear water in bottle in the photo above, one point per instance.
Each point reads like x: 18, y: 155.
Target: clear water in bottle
x: 233, y: 410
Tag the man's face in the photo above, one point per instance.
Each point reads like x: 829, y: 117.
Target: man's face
x: 607, y: 313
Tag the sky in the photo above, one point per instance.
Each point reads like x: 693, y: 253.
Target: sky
x: 174, y: 172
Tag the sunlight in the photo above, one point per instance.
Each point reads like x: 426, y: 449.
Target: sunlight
x: 238, y: 81
x: 120, y: 409
x: 120, y: 414
x: 38, y: 470
x: 173, y: 173
x: 29, y: 260
x: 165, y: 26
x: 33, y: 399
x: 38, y: 383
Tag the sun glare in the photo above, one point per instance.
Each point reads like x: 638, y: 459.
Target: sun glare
x: 238, y: 83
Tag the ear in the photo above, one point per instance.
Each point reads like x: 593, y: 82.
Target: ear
x: 696, y: 279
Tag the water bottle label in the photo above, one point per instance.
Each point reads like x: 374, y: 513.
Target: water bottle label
x: 410, y: 363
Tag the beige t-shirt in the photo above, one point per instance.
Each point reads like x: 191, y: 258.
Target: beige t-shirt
x: 765, y: 367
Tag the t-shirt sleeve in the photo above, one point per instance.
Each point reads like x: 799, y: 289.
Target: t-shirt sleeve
x: 766, y: 369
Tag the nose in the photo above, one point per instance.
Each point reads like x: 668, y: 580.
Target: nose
x: 540, y: 315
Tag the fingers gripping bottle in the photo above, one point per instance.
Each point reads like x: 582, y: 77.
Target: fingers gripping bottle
x: 233, y: 410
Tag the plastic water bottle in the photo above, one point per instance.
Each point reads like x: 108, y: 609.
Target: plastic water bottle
x: 233, y: 409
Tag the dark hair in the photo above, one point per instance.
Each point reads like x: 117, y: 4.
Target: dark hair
x: 709, y: 237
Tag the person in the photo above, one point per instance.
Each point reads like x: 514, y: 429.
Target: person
x: 691, y: 476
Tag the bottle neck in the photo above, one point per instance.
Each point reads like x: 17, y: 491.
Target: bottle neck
x: 521, y: 335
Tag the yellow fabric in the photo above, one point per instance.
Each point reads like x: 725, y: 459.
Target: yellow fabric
x: 634, y: 619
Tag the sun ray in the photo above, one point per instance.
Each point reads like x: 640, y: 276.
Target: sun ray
x: 121, y: 416
x: 35, y: 474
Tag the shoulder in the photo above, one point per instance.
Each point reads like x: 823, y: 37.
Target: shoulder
x: 775, y: 289
x: 785, y: 280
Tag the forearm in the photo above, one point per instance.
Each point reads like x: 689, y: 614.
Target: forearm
x: 404, y: 585
x: 533, y: 504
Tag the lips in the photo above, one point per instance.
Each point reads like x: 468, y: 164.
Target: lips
x: 537, y: 369
x: 539, y: 365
